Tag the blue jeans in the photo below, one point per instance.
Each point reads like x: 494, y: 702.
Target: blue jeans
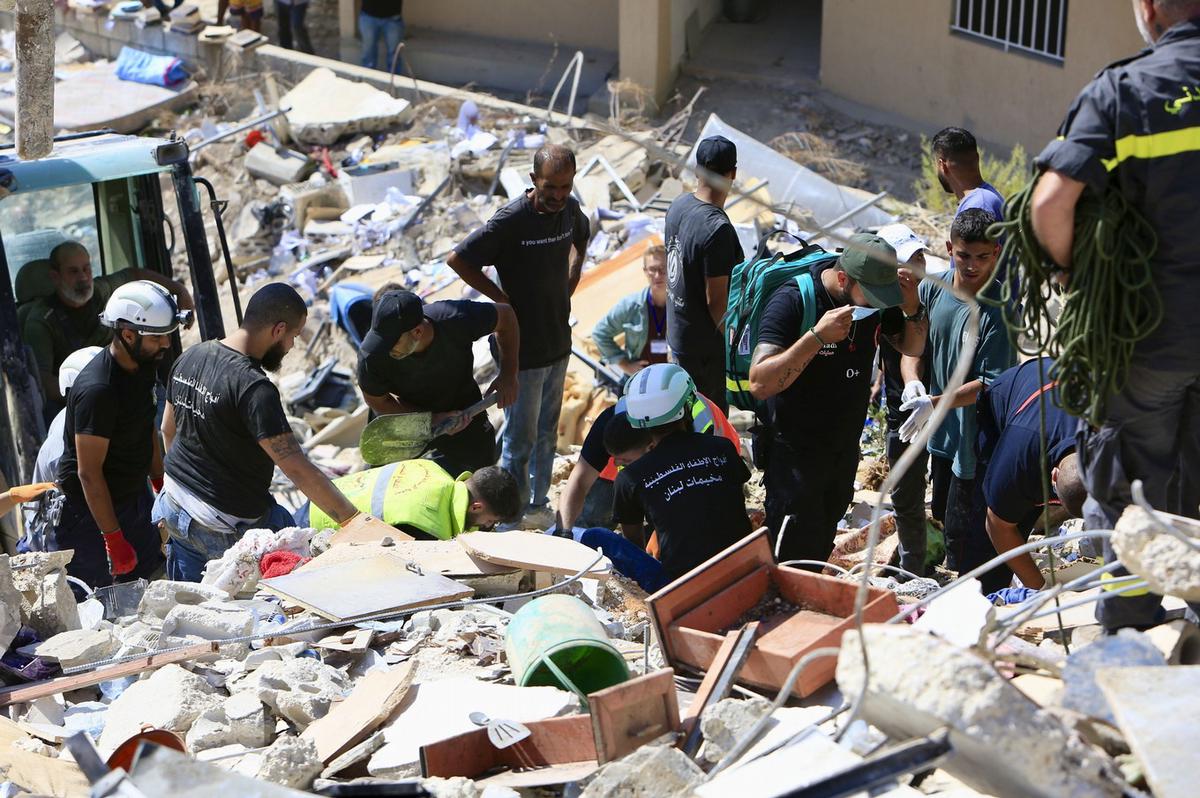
x: 390, y: 29
x: 627, y: 558
x: 192, y: 545
x: 531, y: 430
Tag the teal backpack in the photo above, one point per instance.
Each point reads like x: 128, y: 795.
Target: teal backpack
x: 750, y: 286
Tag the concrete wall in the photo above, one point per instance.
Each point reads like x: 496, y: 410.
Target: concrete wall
x: 681, y: 11
x: 582, y: 23
x: 901, y: 58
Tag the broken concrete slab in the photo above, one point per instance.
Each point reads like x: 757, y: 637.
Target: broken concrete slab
x: 1003, y: 743
x: 211, y: 622
x: 1156, y: 710
x: 163, y: 595
x: 171, y: 698
x: 299, y: 690
x: 50, y: 608
x: 325, y: 107
x: 1178, y: 640
x: 1127, y: 648
x: 277, y: 166
x: 1169, y: 565
x: 31, y: 568
x: 78, y: 647
x: 725, y: 722
x: 290, y: 761
x: 162, y: 771
x: 10, y: 605
x: 242, y: 719
x: 652, y: 770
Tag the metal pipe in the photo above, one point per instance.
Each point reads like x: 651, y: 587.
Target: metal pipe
x: 850, y: 214
x: 242, y: 127
x: 218, y: 208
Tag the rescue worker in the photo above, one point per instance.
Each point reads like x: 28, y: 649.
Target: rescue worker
x: 420, y: 357
x: 1136, y: 127
x: 1009, y: 491
x: 225, y: 431
x: 42, y: 516
x: 110, y: 446
x: 419, y: 498
x: 687, y: 485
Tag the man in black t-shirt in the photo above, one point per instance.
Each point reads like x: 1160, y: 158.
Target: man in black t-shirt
x: 225, y: 431
x: 537, y: 243
x: 109, y: 444
x: 419, y: 357
x: 818, y: 381
x: 702, y: 249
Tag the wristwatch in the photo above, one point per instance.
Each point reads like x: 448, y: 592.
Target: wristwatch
x: 920, y: 315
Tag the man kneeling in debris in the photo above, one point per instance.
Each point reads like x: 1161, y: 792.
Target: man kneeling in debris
x: 419, y: 498
x: 1009, y: 487
x: 225, y: 431
x: 688, y: 485
x: 419, y: 357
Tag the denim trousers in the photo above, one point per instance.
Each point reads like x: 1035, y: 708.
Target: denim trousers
x: 627, y: 558
x: 191, y: 544
x: 531, y: 430
x: 388, y: 29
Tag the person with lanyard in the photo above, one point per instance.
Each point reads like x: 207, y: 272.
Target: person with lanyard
x: 685, y: 485
x: 1133, y: 129
x: 111, y: 450
x: 641, y: 317
x: 420, y: 499
x: 420, y: 357
x: 1013, y: 468
x: 817, y: 383
x: 586, y: 501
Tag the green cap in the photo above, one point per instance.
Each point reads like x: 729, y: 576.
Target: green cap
x: 874, y: 274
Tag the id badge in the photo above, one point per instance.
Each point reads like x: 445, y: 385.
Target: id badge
x: 658, y: 347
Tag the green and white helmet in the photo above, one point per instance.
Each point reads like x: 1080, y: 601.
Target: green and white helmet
x: 658, y: 394
x: 145, y: 307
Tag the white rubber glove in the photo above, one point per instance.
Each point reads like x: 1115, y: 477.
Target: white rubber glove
x: 913, y: 389
x: 922, y: 409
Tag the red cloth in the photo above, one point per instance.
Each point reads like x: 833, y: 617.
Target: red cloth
x: 280, y: 563
x: 254, y: 137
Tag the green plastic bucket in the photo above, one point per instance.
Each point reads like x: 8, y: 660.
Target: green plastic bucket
x: 556, y: 641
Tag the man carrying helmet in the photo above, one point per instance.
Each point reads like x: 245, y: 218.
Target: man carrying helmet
x: 687, y: 485
x: 109, y: 442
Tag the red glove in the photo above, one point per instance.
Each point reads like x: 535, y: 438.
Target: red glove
x: 121, y: 557
x: 157, y: 484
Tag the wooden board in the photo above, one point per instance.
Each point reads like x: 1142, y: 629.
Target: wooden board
x: 443, y: 557
x: 359, y: 588
x: 367, y: 529
x: 556, y: 741
x: 34, y: 690
x: 374, y: 698
x: 42, y: 775
x: 629, y: 715
x: 1156, y: 709
x: 534, y: 551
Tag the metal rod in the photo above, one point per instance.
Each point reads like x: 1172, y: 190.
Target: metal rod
x: 244, y: 126
x: 218, y: 207
x: 880, y: 770
x: 736, y: 200
x: 850, y: 214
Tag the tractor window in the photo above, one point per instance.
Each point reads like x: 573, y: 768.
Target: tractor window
x: 33, y: 224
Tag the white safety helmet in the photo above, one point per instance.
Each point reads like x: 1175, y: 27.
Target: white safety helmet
x: 145, y: 307
x: 74, y: 364
x: 658, y: 394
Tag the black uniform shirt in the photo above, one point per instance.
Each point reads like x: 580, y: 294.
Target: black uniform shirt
x: 1138, y: 123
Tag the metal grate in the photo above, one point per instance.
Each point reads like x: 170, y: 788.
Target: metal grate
x: 1032, y: 26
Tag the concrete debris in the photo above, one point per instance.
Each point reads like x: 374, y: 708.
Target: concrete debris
x: 652, y: 771
x: 298, y: 690
x: 290, y: 761
x: 1003, y: 743
x: 78, y: 647
x: 1127, y: 648
x: 214, y: 622
x: 241, y: 719
x: 325, y: 107
x: 50, y: 607
x: 725, y: 722
x: 169, y: 698
x: 163, y: 595
x: 1170, y: 566
x: 10, y: 604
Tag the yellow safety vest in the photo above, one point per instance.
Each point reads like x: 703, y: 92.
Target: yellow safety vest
x: 416, y: 493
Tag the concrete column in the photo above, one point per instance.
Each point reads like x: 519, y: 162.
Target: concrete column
x: 35, y: 78
x: 644, y: 45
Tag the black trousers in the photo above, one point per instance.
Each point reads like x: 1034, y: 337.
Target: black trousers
x: 813, y: 486
x: 470, y: 450
x: 707, y: 370
x: 908, y: 499
x: 952, y: 501
x: 291, y: 20
x: 77, y: 530
x: 978, y: 548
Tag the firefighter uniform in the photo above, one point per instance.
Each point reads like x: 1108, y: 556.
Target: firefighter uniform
x: 1137, y: 126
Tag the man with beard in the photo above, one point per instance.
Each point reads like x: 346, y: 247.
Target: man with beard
x: 225, y: 430
x: 68, y: 320
x: 956, y: 155
x: 110, y: 446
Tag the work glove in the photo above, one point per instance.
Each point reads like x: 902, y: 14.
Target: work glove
x: 913, y: 389
x: 122, y: 559
x: 922, y: 409
x: 157, y: 484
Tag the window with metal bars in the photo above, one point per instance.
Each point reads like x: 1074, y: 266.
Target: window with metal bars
x: 1031, y: 26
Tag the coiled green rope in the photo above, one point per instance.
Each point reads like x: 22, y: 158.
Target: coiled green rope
x: 1110, y: 302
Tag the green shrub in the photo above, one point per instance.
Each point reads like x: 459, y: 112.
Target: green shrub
x: 1008, y: 176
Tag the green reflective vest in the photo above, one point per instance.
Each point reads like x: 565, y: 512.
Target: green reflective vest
x: 416, y: 493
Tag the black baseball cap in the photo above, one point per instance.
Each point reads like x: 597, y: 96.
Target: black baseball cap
x: 717, y: 154
x: 396, y: 312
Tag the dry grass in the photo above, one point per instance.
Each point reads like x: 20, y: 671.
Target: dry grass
x: 817, y: 154
x: 627, y: 104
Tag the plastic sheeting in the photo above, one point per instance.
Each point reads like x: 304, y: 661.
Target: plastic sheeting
x: 789, y: 181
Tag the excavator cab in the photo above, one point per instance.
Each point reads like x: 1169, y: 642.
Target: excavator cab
x: 110, y: 193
